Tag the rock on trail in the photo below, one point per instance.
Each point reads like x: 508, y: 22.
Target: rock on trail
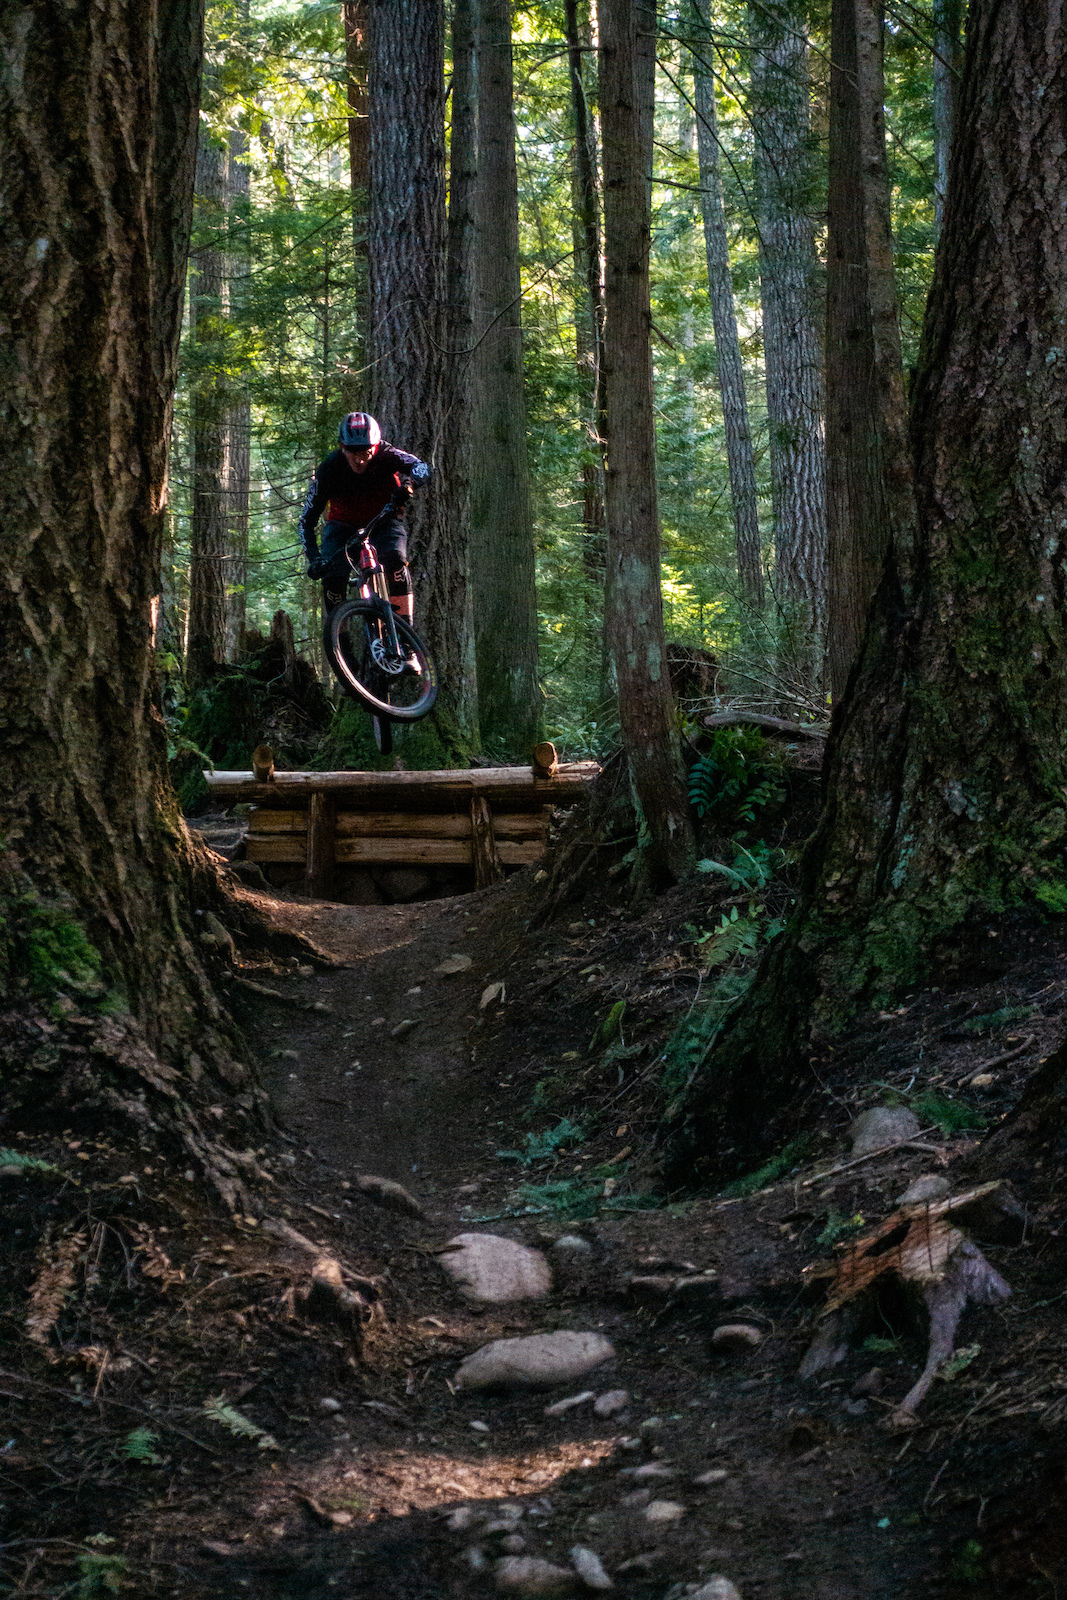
x: 535, y: 1362
x: 493, y: 1270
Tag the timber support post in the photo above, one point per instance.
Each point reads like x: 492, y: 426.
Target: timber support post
x: 321, y: 846
x: 485, y: 856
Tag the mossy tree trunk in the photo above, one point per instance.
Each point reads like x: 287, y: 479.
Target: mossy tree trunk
x: 98, y: 122
x: 946, y: 776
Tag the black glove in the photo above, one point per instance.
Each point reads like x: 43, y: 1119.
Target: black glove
x: 317, y: 567
x: 403, y: 491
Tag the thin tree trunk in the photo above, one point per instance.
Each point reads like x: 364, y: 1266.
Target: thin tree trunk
x: 95, y: 881
x: 208, y: 534
x: 502, y: 546
x: 740, y: 456
x: 406, y: 323
x: 589, y: 284
x: 634, y: 604
x: 238, y: 419
x: 789, y: 290
x: 454, y: 489
x: 355, y: 18
x: 869, y: 471
x: 947, y: 766
x: 948, y: 56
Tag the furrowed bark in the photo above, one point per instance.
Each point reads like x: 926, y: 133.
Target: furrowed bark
x: 98, y: 120
x: 870, y: 500
x: 406, y: 324
x: 947, y: 767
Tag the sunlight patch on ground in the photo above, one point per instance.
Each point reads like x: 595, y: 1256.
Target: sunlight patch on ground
x: 395, y: 1482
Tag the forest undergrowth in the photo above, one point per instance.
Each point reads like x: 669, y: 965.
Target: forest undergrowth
x: 264, y: 1401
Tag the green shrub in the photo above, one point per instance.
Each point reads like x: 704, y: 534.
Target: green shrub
x: 738, y: 776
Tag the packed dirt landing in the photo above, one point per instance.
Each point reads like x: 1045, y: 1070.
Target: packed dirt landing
x: 291, y: 1418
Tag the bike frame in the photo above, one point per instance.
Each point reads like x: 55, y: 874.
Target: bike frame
x: 369, y: 574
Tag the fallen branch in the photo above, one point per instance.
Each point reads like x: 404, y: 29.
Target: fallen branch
x: 275, y: 994
x: 999, y: 1061
x: 901, y: 1144
x: 757, y: 719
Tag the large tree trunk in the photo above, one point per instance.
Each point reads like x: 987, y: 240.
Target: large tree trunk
x: 98, y: 119
x: 740, y: 456
x: 869, y: 479
x: 792, y: 355
x: 502, y: 547
x: 947, y: 768
x: 406, y: 323
x: 208, y: 534
x: 633, y: 602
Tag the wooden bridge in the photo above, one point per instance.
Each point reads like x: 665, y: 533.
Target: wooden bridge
x: 483, y: 819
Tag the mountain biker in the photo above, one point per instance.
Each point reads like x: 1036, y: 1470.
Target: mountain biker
x: 356, y: 481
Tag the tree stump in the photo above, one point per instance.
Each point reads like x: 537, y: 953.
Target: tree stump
x: 545, y: 764
x: 263, y: 763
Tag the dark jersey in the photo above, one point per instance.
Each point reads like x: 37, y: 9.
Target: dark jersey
x: 352, y: 497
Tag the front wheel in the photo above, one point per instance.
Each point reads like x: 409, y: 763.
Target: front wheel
x: 360, y: 644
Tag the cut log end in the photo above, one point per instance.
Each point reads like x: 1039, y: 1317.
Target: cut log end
x: 545, y: 762
x: 263, y: 764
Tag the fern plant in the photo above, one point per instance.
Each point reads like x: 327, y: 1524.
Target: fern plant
x: 225, y: 1415
x: 736, y: 778
x: 137, y: 1446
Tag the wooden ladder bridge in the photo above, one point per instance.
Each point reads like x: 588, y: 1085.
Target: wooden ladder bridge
x: 485, y: 819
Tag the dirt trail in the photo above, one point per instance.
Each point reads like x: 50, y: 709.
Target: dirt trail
x: 808, y: 1497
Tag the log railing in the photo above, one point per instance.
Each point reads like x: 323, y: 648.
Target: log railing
x: 485, y: 818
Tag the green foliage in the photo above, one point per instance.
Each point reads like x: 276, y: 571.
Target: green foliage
x: 876, y: 1344
x: 989, y: 1021
x: 951, y: 1116
x: 738, y: 776
x: 568, y: 1195
x: 138, y: 1446
x: 100, y: 1575
x: 15, y: 1158
x: 771, y: 1170
x: 691, y: 1042
x: 43, y: 950
x: 958, y: 1362
x: 970, y: 1564
x: 1052, y: 895
x: 838, y: 1226
x: 225, y: 1415
x: 752, y: 869
x: 541, y: 1146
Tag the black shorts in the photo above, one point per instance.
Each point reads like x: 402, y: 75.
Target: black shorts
x: 389, y: 541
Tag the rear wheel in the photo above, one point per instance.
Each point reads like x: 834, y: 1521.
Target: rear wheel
x: 401, y: 685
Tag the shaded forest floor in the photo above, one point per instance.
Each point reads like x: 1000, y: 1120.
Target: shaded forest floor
x: 191, y: 1426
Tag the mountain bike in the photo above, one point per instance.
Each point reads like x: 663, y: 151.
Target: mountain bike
x: 377, y: 656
